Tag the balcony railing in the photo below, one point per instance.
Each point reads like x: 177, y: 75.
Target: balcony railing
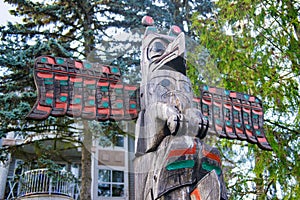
x: 46, y: 182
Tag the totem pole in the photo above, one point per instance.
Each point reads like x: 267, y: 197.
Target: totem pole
x: 171, y: 160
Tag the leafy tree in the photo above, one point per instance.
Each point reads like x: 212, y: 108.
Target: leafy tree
x: 76, y: 29
x: 255, y: 47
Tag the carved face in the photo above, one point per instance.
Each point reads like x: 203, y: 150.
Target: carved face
x: 170, y: 87
x: 162, y: 52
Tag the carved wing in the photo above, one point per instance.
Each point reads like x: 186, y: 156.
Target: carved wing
x: 233, y: 115
x: 81, y: 89
x: 96, y: 92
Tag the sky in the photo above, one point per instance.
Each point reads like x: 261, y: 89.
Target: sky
x: 4, y: 14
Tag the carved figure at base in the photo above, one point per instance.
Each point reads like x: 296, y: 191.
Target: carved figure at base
x: 172, y: 162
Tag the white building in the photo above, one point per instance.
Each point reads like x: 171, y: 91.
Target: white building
x: 112, y: 177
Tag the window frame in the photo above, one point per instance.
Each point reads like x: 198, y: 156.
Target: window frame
x: 111, y: 183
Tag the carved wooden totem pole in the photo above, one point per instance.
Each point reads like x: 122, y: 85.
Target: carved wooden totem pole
x: 171, y: 160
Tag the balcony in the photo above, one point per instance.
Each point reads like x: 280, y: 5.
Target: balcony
x: 44, y: 184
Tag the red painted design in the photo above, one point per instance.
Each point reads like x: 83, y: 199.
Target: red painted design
x: 116, y: 86
x: 61, y: 105
x: 233, y: 94
x: 61, y: 78
x: 105, y: 69
x: 258, y: 112
x: 181, y: 152
x: 149, y: 20
x: 89, y: 82
x: 207, y: 101
x: 44, y: 108
x: 44, y: 75
x: 75, y: 79
x: 262, y: 139
x: 103, y: 84
x: 51, y: 60
x: 195, y: 195
x: 176, y: 29
x: 211, y: 156
x: 78, y: 65
x: 49, y: 94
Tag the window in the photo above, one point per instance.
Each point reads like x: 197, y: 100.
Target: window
x: 110, y: 142
x: 110, y: 183
x: 119, y: 141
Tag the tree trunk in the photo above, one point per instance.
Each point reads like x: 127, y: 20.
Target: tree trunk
x: 259, y: 182
x: 86, y: 163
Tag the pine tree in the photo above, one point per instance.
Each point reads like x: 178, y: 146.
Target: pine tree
x: 75, y: 29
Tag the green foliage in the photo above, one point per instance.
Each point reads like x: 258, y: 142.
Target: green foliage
x: 77, y: 29
x: 255, y: 47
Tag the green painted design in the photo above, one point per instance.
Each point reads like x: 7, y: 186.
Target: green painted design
x: 49, y: 101
x: 257, y: 100
x: 48, y: 81
x: 205, y: 87
x: 248, y: 127
x: 104, y: 88
x: 152, y: 29
x: 119, y: 91
x: 77, y: 101
x: 218, y: 121
x: 255, y: 116
x: 228, y: 123
x: 180, y: 165
x: 91, y: 86
x: 130, y: 93
x: 133, y: 106
x: 92, y: 102
x: 63, y: 98
x: 88, y: 65
x: 246, y: 96
x: 205, y: 106
x: 63, y: 82
x: 114, y: 70
x: 119, y: 105
x: 245, y: 114
x: 59, y: 61
x: 105, y: 104
x: 208, y: 167
x: 77, y: 84
x: 44, y: 60
x: 226, y: 92
x: 238, y: 125
x: 257, y: 132
x: 235, y: 112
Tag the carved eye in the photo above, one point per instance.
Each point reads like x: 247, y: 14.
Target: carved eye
x: 156, y: 48
x: 165, y: 83
x: 185, y: 87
